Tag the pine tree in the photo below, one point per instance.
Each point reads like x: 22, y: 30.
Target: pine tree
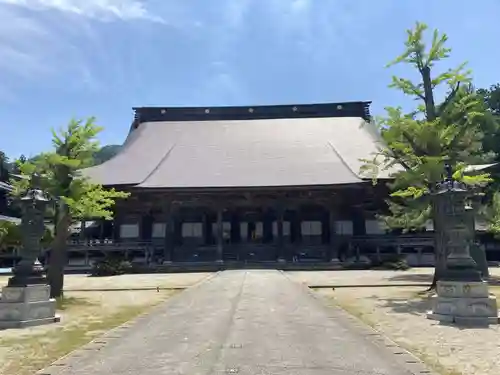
x: 77, y: 198
x: 419, y: 143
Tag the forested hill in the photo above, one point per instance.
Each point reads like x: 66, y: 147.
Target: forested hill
x: 104, y: 154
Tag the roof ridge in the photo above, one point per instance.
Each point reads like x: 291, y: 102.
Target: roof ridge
x: 287, y: 111
x: 342, y: 160
x: 162, y: 160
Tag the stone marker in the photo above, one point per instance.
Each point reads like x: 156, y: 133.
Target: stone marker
x: 26, y: 299
x: 462, y: 295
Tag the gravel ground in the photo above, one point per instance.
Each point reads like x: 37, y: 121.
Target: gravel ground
x: 399, y: 313
x: 371, y: 277
x: 239, y: 322
x: 171, y: 280
x: 86, y: 315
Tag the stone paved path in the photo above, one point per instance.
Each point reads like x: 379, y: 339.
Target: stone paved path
x: 239, y: 322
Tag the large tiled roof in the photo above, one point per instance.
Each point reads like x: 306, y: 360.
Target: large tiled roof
x: 197, y: 152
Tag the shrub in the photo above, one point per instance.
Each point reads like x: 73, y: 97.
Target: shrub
x: 10, y: 235
x: 110, y: 266
x: 394, y: 262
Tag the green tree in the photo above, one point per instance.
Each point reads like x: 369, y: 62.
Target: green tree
x: 105, y: 153
x: 77, y: 197
x: 419, y: 143
x: 491, y: 129
x: 18, y: 164
x: 4, y: 167
x: 10, y: 235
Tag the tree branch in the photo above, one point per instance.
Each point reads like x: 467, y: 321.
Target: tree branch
x: 398, y: 157
x: 448, y: 100
x: 416, y: 148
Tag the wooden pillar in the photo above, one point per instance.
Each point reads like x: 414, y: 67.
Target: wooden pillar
x: 333, y: 248
x: 280, y: 213
x: 359, y: 223
x: 168, y: 248
x: 101, y: 230
x: 82, y: 230
x: 117, y: 221
x: 219, y: 235
x: 146, y: 227
x: 206, y: 229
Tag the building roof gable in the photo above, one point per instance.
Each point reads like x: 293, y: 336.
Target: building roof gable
x: 308, y: 149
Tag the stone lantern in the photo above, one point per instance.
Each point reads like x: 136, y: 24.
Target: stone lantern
x: 25, y: 301
x: 462, y: 295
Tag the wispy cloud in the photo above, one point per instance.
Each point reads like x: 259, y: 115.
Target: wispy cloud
x: 100, y: 9
x: 41, y: 39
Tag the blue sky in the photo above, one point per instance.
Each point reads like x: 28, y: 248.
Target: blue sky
x: 76, y: 58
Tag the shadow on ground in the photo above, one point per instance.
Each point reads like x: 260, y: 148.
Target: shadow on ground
x: 418, y: 304
x: 404, y: 305
x: 412, y: 277
x: 427, y: 278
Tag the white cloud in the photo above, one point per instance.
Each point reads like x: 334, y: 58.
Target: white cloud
x: 100, y: 9
x: 37, y: 44
x: 25, y: 43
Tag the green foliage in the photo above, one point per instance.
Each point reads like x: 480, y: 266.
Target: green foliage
x: 10, y: 235
x: 492, y: 214
x: 4, y: 167
x: 394, y: 262
x: 105, y: 153
x: 100, y: 156
x: 48, y: 237
x: 111, y: 266
x: 418, y: 143
x: 76, y: 197
x: 61, y: 177
x: 492, y: 98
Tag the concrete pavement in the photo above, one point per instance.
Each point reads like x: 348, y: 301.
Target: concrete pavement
x: 240, y: 322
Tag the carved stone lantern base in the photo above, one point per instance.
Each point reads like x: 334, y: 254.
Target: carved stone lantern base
x: 28, y: 273
x: 26, y: 306
x: 464, y: 303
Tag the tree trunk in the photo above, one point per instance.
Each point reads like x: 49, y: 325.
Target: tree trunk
x: 57, y: 260
x: 478, y: 253
x: 430, y: 106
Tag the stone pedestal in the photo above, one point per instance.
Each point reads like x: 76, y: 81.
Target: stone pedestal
x: 27, y: 306
x: 464, y: 302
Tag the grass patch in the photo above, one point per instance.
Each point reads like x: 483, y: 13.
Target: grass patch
x: 432, y: 363
x: 27, y: 354
x: 64, y: 303
x: 421, y: 294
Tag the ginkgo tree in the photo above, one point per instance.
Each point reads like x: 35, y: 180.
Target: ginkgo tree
x: 76, y: 197
x: 418, y: 143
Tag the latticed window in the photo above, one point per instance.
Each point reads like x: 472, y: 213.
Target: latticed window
x: 311, y: 228
x: 344, y: 227
x: 374, y: 227
x: 286, y: 228
x: 159, y: 230
x: 129, y: 231
x: 192, y: 230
